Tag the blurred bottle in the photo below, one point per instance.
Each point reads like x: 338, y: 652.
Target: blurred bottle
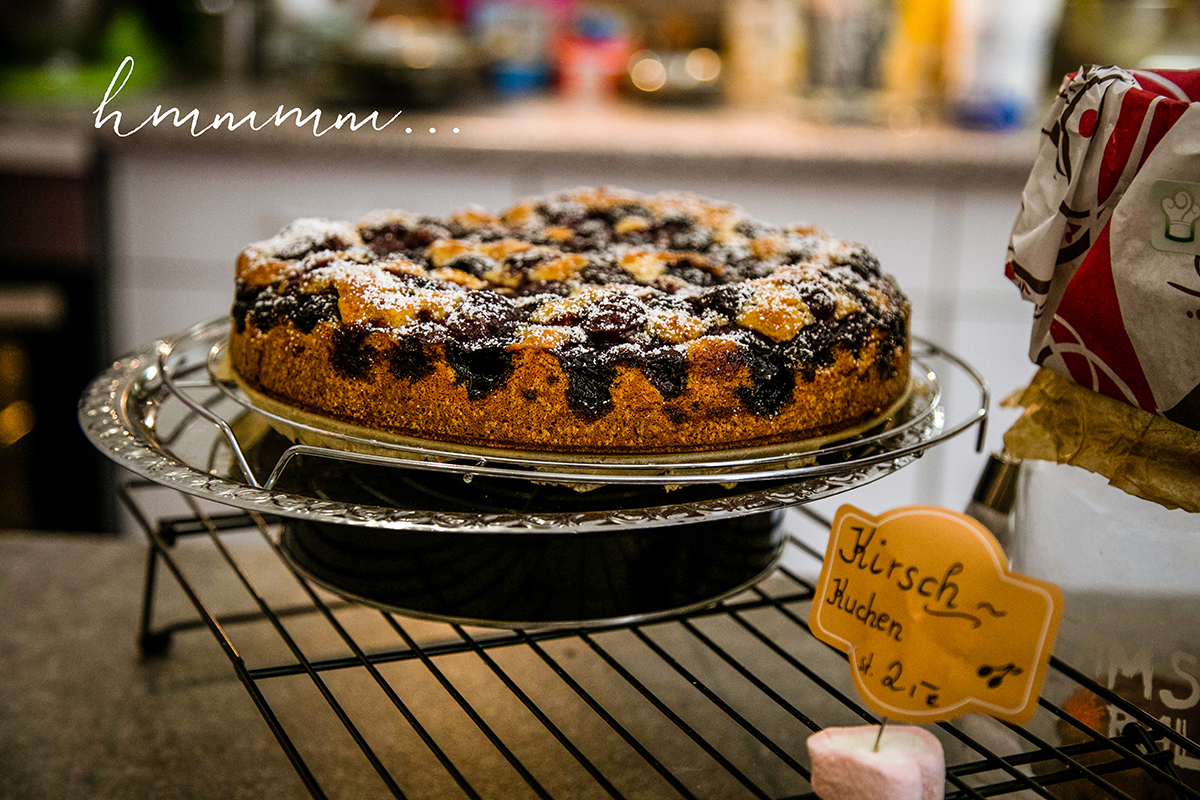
x: 1116, y: 32
x: 1179, y: 48
x: 517, y: 36
x: 765, y: 50
x: 238, y: 36
x: 995, y: 493
x: 997, y: 59
x: 914, y: 65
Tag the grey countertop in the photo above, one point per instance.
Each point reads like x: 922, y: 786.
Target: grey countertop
x: 84, y: 715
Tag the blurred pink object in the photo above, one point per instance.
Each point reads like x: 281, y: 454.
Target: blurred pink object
x: 591, y: 56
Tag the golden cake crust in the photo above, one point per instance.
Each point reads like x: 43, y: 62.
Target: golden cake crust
x: 669, y: 324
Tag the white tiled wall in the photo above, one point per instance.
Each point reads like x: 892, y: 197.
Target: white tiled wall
x: 180, y: 222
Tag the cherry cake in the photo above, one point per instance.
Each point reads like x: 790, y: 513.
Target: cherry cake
x: 589, y: 321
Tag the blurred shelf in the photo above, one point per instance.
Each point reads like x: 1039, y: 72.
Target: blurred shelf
x: 544, y: 131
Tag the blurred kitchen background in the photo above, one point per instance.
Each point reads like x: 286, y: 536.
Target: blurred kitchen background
x: 909, y: 125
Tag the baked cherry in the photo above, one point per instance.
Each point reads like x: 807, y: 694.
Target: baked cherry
x: 614, y: 319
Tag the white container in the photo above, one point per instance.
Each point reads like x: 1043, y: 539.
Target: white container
x: 1130, y: 574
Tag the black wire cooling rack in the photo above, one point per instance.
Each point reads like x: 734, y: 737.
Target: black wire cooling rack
x: 712, y: 703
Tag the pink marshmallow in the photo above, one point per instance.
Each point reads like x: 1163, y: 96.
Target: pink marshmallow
x: 910, y: 764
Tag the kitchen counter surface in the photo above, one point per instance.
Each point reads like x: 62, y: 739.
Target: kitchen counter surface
x: 85, y: 715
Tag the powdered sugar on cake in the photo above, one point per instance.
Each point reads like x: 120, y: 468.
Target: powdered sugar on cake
x: 600, y: 277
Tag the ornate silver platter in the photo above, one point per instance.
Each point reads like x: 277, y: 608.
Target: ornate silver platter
x: 168, y: 413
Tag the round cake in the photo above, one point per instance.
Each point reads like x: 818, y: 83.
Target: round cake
x: 590, y: 321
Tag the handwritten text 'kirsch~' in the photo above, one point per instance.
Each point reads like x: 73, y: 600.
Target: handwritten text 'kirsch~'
x: 934, y: 622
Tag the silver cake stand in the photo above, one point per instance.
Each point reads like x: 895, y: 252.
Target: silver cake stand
x: 486, y: 535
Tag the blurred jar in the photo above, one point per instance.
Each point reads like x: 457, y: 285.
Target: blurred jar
x: 1129, y: 570
x: 690, y: 77
x: 1110, y: 32
x: 298, y: 35
x: 847, y: 40
x: 764, y: 52
x: 406, y: 61
x: 591, y: 56
x: 516, y: 37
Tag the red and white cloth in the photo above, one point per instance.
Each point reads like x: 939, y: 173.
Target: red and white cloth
x: 1114, y: 310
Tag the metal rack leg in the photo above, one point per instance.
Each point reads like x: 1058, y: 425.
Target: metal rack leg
x: 152, y: 642
x: 160, y: 539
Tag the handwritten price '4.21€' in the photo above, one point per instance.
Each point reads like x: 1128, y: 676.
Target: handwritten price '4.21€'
x: 935, y: 625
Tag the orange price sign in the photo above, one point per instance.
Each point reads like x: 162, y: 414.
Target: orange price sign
x: 935, y: 624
